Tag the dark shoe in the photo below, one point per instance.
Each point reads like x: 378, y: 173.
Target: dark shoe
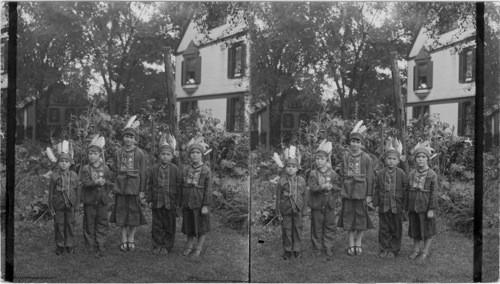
x: 69, y: 250
x: 382, y: 254
x: 413, y: 255
x: 390, y: 255
x: 297, y: 254
x: 124, y: 246
x: 287, y: 255
x: 59, y: 250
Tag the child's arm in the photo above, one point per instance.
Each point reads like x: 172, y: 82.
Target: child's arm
x: 369, y: 179
x: 150, y: 184
x: 278, y: 202
x: 52, y: 185
x: 376, y: 190
x: 178, y: 182
x: 405, y: 192
x: 143, y: 171
x: 207, y: 194
x: 313, y: 183
x: 432, y: 198
x: 85, y: 177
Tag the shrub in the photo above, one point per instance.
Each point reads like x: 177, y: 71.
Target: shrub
x: 231, y: 197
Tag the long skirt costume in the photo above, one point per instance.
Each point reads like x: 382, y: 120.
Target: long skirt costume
x: 390, y: 191
x: 290, y: 204
x: 196, y: 193
x: 95, y: 199
x: 323, y: 204
x: 422, y: 198
x: 356, y: 179
x: 63, y: 197
x: 130, y: 180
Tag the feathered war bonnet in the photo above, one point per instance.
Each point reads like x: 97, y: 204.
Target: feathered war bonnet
x: 393, y: 147
x: 199, y: 141
x: 424, y: 147
x: 131, y: 127
x: 291, y: 156
x: 167, y: 143
x: 324, y: 148
x: 358, y: 132
x: 97, y: 143
x: 64, y: 151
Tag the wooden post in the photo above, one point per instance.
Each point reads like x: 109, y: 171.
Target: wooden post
x: 171, y: 98
x: 400, y: 112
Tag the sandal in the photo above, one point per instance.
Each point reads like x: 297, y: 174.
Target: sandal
x: 413, y: 255
x: 131, y: 246
x: 187, y: 251
x: 358, y: 250
x: 351, y: 251
x: 124, y: 246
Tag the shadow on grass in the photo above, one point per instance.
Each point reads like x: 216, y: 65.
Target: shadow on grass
x: 451, y: 259
x: 225, y: 257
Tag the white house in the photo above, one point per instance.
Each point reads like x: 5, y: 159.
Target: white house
x: 441, y: 79
x: 211, y: 73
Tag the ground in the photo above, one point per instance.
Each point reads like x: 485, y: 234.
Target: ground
x: 451, y: 259
x: 225, y: 257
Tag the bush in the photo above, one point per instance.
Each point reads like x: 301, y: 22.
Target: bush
x: 231, y: 197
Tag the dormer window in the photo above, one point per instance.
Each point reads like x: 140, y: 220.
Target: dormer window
x: 422, y: 71
x: 191, y: 66
x: 236, y: 60
x: 467, y: 66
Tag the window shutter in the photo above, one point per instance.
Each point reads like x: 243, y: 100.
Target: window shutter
x: 198, y: 70
x: 461, y: 114
x: 474, y: 65
x: 415, y: 77
x: 461, y: 61
x: 243, y: 59
x: 230, y: 64
x: 229, y: 116
x: 183, y: 75
x: 429, y: 74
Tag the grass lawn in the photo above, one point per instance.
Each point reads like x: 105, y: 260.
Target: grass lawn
x: 451, y: 259
x: 225, y: 257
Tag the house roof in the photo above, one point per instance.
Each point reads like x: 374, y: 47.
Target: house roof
x: 432, y: 44
x: 28, y: 100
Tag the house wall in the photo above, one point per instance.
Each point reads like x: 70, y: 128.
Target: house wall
x: 445, y: 112
x: 445, y: 83
x: 216, y: 108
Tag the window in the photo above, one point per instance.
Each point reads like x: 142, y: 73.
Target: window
x: 235, y: 114
x: 68, y: 113
x: 467, y: 66
x: 422, y: 75
x: 54, y: 115
x: 465, y: 118
x: 188, y: 106
x: 419, y: 111
x: 191, y: 66
x: 236, y: 60
x: 303, y: 118
x: 288, y: 121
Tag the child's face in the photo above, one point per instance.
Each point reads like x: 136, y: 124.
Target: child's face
x: 166, y: 157
x: 321, y: 161
x: 391, y: 161
x: 291, y: 169
x: 421, y: 160
x: 355, y: 144
x: 129, y: 139
x: 195, y: 156
x: 64, y: 164
x: 94, y: 156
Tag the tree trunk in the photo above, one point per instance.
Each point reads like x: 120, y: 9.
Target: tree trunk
x: 171, y: 97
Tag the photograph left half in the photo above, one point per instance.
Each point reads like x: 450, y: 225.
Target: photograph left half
x: 132, y: 142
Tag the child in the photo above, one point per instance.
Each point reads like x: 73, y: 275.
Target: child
x: 63, y: 197
x: 356, y: 179
x: 130, y: 168
x: 164, y: 198
x: 323, y: 191
x: 291, y: 203
x: 422, y: 202
x: 95, y: 198
x: 389, y: 193
x: 196, y: 198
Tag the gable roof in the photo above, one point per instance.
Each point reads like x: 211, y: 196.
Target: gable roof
x: 442, y: 41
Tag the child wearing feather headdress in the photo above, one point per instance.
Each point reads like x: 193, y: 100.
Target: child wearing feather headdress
x: 163, y: 195
x: 291, y: 202
x: 422, y: 202
x: 96, y: 181
x: 63, y: 197
x: 130, y: 184
x: 323, y: 193
x: 196, y: 197
x: 389, y: 193
x: 356, y: 177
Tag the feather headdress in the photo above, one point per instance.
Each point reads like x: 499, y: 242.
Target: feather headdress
x: 325, y: 146
x: 97, y: 142
x: 276, y: 158
x: 292, y: 156
x: 424, y: 147
x: 167, y: 143
x: 131, y: 127
x: 358, y: 131
x: 393, y: 146
x: 64, y: 151
x: 198, y: 143
x: 51, y: 155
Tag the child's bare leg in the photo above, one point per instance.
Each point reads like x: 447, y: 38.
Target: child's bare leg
x: 352, y: 237
x: 201, y: 240
x: 427, y: 245
x: 124, y: 234
x: 416, y: 245
x: 359, y: 238
x: 131, y: 233
x: 190, y: 244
